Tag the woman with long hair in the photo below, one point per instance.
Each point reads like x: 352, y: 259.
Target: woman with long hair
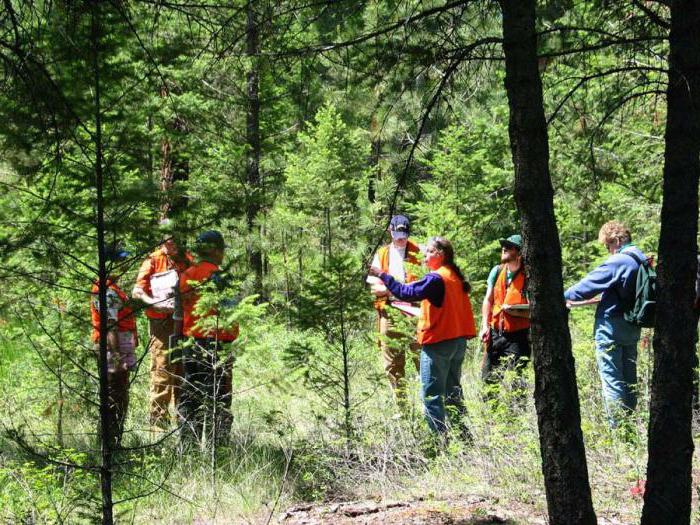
x: 446, y: 322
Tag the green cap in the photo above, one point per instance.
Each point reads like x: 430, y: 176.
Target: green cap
x: 514, y: 240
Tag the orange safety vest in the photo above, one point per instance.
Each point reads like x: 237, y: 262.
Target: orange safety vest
x: 383, y: 255
x: 126, y: 321
x: 199, y: 273
x: 158, y: 262
x: 512, y: 294
x: 451, y: 320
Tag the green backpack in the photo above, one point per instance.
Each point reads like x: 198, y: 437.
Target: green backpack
x: 642, y: 312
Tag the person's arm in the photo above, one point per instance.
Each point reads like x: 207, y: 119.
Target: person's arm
x: 431, y: 287
x: 596, y: 282
x: 376, y: 286
x: 486, y: 309
x: 139, y: 291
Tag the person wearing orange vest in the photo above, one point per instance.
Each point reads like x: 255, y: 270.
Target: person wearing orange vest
x: 395, y: 259
x: 446, y: 322
x: 122, y: 339
x: 205, y: 399
x: 505, y: 314
x: 165, y: 373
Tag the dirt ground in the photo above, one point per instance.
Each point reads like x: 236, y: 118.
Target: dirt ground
x: 469, y: 510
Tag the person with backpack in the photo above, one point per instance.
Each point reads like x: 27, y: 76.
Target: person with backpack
x: 617, y: 326
x: 505, y: 315
x: 446, y: 322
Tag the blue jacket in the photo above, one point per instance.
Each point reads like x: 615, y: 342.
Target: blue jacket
x: 430, y: 287
x: 616, y: 279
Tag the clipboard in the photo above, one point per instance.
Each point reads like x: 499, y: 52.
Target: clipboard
x: 406, y: 308
x: 162, y: 288
x: 524, y: 307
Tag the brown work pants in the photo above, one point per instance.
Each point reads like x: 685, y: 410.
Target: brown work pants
x: 166, y: 376
x: 393, y: 345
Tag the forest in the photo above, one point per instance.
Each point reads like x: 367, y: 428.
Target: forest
x: 276, y: 141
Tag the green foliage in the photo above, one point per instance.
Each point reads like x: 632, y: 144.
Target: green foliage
x: 336, y: 125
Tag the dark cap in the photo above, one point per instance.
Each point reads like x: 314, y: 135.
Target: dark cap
x: 115, y: 252
x: 399, y: 227
x: 515, y: 241
x: 209, y: 240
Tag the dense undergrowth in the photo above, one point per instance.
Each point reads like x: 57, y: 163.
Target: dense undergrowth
x: 286, y: 447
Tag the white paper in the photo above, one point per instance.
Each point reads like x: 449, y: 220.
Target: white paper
x: 163, y: 288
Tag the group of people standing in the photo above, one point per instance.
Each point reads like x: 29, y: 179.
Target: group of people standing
x: 446, y: 321
x: 190, y: 365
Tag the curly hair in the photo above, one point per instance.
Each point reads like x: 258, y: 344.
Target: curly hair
x: 614, y: 230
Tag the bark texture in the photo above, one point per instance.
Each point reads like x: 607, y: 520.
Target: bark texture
x: 106, y: 431
x: 556, y: 395
x: 253, y: 141
x: 668, y: 492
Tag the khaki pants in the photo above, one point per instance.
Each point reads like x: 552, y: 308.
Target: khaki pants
x: 165, y: 376
x: 393, y: 345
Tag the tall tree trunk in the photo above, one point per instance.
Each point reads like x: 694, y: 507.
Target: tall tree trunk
x: 668, y: 491
x: 375, y: 156
x: 556, y: 395
x: 105, y: 419
x: 173, y: 168
x: 253, y: 140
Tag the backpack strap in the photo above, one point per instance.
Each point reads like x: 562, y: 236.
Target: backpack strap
x: 504, y: 267
x: 630, y: 254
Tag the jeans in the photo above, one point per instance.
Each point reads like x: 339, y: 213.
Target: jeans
x: 616, y: 355
x: 440, y: 371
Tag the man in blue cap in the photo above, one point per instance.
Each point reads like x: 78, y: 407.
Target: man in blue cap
x: 505, y: 314
x: 395, y: 259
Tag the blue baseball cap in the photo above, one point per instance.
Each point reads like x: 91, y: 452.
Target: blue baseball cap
x: 399, y: 227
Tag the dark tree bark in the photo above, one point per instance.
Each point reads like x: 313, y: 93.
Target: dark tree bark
x: 668, y: 490
x: 172, y: 169
x: 105, y: 415
x: 253, y: 140
x: 556, y: 395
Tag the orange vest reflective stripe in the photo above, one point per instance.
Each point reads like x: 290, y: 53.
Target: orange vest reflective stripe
x: 511, y: 294
x: 410, y: 258
x: 126, y: 321
x: 199, y: 273
x: 453, y: 319
x: 158, y: 262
